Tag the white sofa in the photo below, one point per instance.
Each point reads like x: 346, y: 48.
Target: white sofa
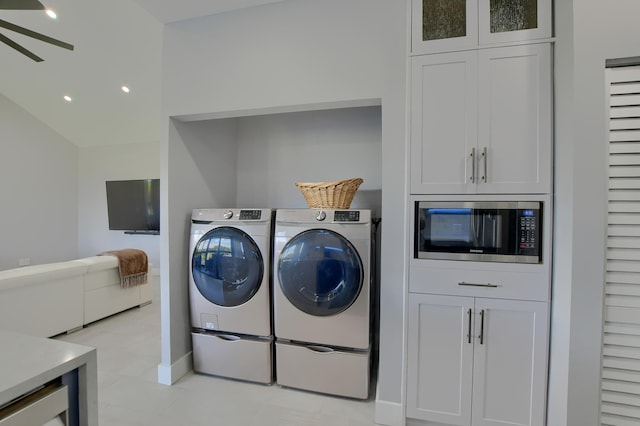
x: 53, y: 298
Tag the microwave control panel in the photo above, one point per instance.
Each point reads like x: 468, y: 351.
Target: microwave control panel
x: 529, y: 235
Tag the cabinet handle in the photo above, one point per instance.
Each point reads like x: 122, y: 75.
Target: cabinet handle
x: 469, y: 327
x: 484, y: 158
x: 473, y: 165
x: 482, y: 327
x: 489, y: 285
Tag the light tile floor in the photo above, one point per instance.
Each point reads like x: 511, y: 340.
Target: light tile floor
x: 128, y: 392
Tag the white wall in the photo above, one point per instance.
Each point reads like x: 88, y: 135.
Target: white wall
x: 276, y: 150
x: 588, y: 33
x: 297, y: 54
x: 201, y: 173
x: 39, y: 190
x: 113, y: 162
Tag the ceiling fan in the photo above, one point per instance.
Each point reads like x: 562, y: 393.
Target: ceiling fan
x: 26, y: 5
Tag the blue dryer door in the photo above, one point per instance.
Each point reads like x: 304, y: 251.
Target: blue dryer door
x: 227, y: 266
x: 320, y: 272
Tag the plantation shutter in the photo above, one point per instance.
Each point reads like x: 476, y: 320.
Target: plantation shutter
x: 620, y: 404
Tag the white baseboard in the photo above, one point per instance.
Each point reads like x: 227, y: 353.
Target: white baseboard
x: 169, y: 374
x: 389, y: 413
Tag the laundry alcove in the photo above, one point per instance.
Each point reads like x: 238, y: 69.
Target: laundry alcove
x: 251, y: 159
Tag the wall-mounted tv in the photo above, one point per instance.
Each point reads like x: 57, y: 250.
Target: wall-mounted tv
x: 134, y: 205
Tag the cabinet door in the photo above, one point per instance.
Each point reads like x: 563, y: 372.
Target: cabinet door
x: 443, y: 25
x: 440, y: 355
x: 502, y: 21
x: 443, y: 122
x: 514, y: 132
x: 510, y: 363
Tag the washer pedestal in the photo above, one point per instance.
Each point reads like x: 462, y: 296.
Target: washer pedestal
x: 323, y: 369
x: 233, y: 356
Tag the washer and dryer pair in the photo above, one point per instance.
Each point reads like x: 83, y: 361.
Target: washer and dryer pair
x: 312, y: 327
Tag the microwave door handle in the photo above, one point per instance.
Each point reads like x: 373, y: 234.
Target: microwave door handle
x: 476, y: 228
x: 492, y: 229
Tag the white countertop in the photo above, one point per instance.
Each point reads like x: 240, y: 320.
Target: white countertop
x: 27, y: 362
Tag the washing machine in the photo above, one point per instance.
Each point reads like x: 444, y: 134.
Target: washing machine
x: 322, y: 300
x: 229, y: 293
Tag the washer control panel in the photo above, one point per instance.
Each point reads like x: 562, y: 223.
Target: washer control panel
x: 250, y: 214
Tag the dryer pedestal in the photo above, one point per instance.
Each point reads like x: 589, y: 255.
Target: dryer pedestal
x: 323, y: 369
x: 233, y: 356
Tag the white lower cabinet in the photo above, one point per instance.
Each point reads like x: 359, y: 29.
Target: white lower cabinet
x: 477, y: 361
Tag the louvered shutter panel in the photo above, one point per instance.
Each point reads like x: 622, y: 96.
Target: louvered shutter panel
x: 621, y: 345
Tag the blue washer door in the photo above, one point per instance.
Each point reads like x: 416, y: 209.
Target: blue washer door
x: 227, y: 266
x: 320, y: 272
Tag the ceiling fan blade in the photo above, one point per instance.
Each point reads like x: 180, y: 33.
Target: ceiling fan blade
x: 21, y: 5
x: 11, y: 43
x: 41, y: 37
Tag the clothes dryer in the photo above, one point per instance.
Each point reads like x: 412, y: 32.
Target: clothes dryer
x: 322, y: 300
x: 229, y: 293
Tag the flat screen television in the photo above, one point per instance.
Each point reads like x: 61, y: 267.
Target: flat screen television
x: 134, y: 205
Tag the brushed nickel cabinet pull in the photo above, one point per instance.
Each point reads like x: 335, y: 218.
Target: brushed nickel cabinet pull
x: 469, y: 327
x: 489, y: 285
x: 484, y: 158
x: 473, y: 165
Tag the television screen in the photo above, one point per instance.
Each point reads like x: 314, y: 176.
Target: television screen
x: 134, y: 205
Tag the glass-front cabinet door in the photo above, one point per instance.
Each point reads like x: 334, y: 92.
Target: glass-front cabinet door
x: 502, y: 21
x: 443, y: 25
x: 449, y: 25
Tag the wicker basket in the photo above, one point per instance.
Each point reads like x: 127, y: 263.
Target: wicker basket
x: 327, y: 195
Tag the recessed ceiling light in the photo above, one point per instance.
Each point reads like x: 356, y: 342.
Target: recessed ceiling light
x: 51, y: 14
x: 125, y: 89
x: 67, y: 98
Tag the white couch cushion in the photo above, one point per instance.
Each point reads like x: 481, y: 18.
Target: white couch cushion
x: 38, y: 274
x: 98, y: 263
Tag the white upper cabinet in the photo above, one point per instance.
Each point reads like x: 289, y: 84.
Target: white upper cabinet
x: 481, y: 121
x: 514, y: 119
x: 444, y: 122
x: 447, y: 25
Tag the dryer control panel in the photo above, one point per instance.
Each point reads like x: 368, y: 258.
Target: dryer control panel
x: 346, y: 216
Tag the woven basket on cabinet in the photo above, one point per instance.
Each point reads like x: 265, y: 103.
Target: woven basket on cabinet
x: 326, y: 195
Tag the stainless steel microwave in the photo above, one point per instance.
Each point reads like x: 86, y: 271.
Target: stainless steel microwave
x: 501, y: 231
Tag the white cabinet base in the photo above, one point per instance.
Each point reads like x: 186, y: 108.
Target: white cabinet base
x: 477, y: 361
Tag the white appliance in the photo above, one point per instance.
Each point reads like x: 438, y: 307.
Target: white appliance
x: 322, y: 300
x: 229, y: 293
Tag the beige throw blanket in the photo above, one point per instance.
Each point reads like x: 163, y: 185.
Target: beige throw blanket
x: 132, y: 264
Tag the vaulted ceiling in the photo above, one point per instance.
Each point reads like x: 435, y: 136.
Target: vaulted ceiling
x: 116, y: 43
